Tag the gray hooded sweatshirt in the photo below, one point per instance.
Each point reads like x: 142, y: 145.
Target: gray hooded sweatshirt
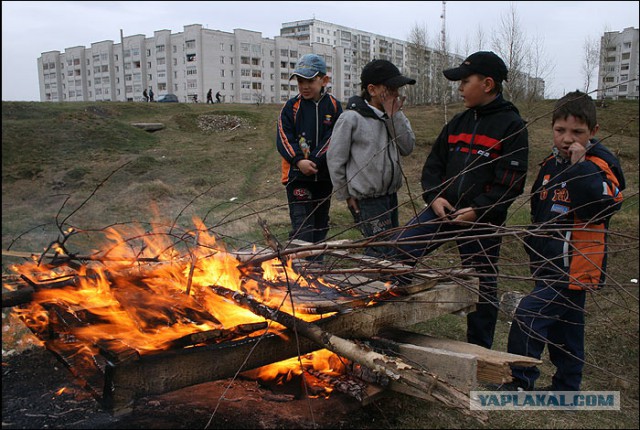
x: 364, y: 152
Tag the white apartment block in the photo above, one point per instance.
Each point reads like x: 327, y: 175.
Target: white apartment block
x: 244, y: 66
x: 618, y: 69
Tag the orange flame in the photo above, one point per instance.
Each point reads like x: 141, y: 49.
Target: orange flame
x: 145, y: 306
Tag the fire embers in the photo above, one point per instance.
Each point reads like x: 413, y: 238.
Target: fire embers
x: 315, y: 375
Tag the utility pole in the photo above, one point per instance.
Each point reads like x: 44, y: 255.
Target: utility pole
x: 443, y: 56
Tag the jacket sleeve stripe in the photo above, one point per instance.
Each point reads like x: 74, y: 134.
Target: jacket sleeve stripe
x: 588, y: 256
x: 481, y: 140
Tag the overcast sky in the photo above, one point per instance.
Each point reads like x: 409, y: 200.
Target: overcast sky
x: 30, y: 28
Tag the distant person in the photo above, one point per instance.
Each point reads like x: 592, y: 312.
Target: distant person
x: 303, y: 134
x: 476, y: 169
x: 367, y: 143
x: 218, y: 97
x: 577, y: 190
x: 209, y: 96
x: 145, y: 96
x: 150, y: 94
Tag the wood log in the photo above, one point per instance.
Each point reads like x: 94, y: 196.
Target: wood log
x: 394, y: 368
x: 493, y: 366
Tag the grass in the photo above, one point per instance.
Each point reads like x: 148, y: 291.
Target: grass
x: 56, y: 159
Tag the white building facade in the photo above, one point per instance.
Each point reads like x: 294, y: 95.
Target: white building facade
x: 618, y: 69
x: 244, y: 66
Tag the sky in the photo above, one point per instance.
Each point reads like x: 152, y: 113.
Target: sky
x: 560, y: 28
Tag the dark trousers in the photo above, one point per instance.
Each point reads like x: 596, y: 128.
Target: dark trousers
x: 309, y: 204
x: 480, y: 254
x: 377, y: 215
x: 553, y: 317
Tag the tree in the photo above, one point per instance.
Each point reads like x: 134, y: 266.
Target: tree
x: 509, y: 43
x: 591, y: 55
x: 420, y: 55
x: 539, y: 69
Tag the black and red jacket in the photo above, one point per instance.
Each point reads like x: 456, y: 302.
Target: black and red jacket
x: 304, y: 131
x: 479, y: 160
x: 570, y: 210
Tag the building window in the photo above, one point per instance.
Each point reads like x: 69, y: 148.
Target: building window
x: 191, y: 57
x: 190, y: 44
x: 159, y: 48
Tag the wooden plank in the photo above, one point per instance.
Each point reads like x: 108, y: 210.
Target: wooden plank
x: 493, y: 366
x: 458, y: 369
x: 171, y: 370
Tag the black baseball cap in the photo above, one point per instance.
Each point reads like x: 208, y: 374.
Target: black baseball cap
x: 383, y: 72
x: 485, y: 63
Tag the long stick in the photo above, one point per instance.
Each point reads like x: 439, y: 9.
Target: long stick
x: 393, y: 368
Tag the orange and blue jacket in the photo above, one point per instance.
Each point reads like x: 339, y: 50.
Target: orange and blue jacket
x: 304, y: 131
x: 571, y: 206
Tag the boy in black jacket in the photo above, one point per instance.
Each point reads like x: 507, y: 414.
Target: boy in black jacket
x: 476, y: 169
x: 303, y: 134
x: 575, y: 194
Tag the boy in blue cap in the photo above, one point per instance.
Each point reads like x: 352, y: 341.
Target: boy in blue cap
x: 303, y: 134
x: 476, y: 169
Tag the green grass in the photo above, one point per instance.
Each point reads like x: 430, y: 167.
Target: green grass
x: 56, y: 159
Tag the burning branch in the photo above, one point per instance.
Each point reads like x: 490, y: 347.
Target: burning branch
x: 393, y: 368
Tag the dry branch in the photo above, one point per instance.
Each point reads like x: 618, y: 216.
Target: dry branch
x: 393, y: 368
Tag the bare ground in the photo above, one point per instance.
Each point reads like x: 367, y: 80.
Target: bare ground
x: 31, y: 398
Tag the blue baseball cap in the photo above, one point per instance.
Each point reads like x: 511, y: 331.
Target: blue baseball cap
x: 309, y: 66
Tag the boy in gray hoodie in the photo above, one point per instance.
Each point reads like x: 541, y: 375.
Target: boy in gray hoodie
x: 366, y: 144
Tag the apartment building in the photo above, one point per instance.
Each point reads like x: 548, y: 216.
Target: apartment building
x: 244, y: 66
x: 618, y: 69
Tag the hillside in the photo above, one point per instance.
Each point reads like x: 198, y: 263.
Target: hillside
x: 83, y: 165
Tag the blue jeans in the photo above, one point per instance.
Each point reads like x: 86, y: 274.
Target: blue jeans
x: 309, y: 205
x: 553, y: 317
x: 480, y: 254
x: 377, y: 215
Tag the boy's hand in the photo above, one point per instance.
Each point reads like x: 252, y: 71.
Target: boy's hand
x: 352, y: 204
x: 307, y: 167
x: 464, y: 216
x: 577, y: 152
x: 441, y: 207
x: 391, y: 101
